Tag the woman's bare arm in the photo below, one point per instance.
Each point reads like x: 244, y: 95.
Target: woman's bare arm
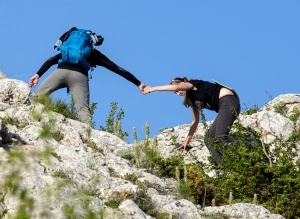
x: 173, y: 87
x: 193, y: 128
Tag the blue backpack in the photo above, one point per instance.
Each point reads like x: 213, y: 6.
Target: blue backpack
x: 77, y: 48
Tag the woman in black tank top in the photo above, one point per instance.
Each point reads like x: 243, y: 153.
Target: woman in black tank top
x: 198, y: 95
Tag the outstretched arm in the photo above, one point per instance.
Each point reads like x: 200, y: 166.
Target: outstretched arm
x: 97, y: 58
x: 193, y: 128
x: 172, y: 87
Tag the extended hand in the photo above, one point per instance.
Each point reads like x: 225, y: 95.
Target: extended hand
x: 141, y: 87
x: 182, y: 147
x: 34, y: 80
x: 147, y: 90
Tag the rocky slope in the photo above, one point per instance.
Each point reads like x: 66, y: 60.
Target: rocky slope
x: 82, y: 170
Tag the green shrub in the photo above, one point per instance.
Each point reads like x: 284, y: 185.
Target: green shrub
x: 131, y: 177
x: 167, y: 167
x: 294, y: 114
x: 125, y: 154
x: 151, y: 159
x: 184, y: 191
x: 113, y: 122
x: 112, y: 203
x: 143, y: 201
x: 13, y: 121
x: 248, y: 167
x: 49, y: 130
x: 93, y: 193
x: 91, y: 165
x: 54, y: 154
x: 68, y: 110
x: 281, y: 108
x: 251, y: 110
x: 61, y: 174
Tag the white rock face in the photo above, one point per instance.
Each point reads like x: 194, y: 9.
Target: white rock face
x: 63, y: 167
x: 14, y: 91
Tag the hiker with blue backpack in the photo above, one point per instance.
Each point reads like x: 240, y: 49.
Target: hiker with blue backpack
x: 198, y: 95
x: 77, y: 56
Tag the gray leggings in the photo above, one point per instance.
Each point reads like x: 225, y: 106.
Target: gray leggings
x: 78, y: 85
x: 229, y: 109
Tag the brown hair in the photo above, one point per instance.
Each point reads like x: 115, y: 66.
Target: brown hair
x: 187, y: 102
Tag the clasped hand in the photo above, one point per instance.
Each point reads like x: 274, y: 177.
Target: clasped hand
x: 147, y: 90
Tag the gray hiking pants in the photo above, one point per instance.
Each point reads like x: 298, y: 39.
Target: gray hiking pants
x: 78, y: 85
x: 229, y: 109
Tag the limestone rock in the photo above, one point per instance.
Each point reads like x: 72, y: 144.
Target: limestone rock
x: 85, y: 167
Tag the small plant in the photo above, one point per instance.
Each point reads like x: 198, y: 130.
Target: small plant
x: 54, y: 154
x: 162, y: 215
x: 147, y: 130
x: 89, y: 131
x: 46, y: 130
x: 155, y: 141
x: 138, y: 154
x: 61, y: 174
x: 94, y: 146
x: 203, y: 119
x: 174, y: 139
x: 281, y: 108
x: 49, y: 130
x: 167, y: 167
x: 68, y: 110
x: 91, y: 165
x: 13, y: 121
x: 251, y: 110
x: 93, y: 193
x: 58, y: 105
x: 184, y: 190
x: 152, y: 158
x: 125, y: 154
x: 112, y: 172
x: 112, y: 203
x: 57, y: 135
x: 269, y: 95
x: 113, y: 122
x: 294, y: 114
x: 10, y: 120
x: 134, y: 135
x: 131, y: 177
x: 143, y: 201
x: 26, y: 207
x: 92, y: 108
x: 36, y: 115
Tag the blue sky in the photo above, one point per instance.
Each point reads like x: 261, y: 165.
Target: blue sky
x: 252, y: 46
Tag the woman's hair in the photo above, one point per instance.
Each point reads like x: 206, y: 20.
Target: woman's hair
x: 187, y: 102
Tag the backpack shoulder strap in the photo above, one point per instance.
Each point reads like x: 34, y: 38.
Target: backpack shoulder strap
x: 229, y: 88
x: 64, y: 37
